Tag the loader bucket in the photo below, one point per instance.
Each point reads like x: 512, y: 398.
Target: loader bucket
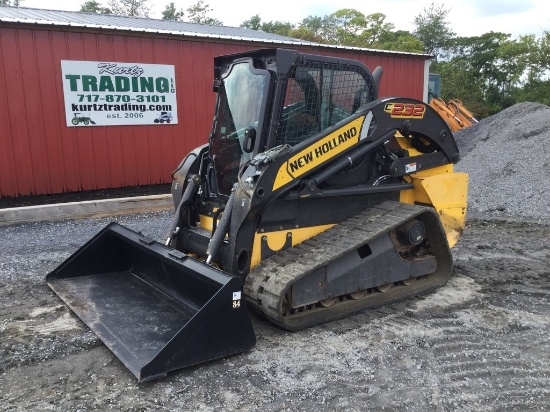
x: 155, y: 308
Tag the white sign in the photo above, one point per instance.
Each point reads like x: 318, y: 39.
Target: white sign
x: 108, y: 94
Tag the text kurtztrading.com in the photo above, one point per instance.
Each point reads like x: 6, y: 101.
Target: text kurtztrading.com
x: 105, y: 107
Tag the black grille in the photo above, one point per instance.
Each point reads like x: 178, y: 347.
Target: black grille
x: 319, y: 95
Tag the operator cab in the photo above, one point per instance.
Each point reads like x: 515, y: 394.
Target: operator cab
x: 268, y: 98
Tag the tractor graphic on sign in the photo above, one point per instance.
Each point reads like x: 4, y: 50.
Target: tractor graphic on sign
x: 164, y: 117
x: 81, y: 119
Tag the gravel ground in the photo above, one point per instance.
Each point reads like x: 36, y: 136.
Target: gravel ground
x: 482, y: 342
x: 479, y: 343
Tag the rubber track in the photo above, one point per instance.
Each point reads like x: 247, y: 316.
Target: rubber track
x: 267, y: 283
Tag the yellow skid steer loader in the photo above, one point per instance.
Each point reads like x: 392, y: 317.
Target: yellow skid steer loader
x: 314, y: 199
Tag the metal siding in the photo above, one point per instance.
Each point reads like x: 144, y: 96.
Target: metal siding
x: 8, y: 176
x: 48, y: 82
x: 32, y: 111
x: 16, y: 110
x: 40, y: 154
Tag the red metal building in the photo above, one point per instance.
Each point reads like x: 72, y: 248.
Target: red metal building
x: 41, y: 154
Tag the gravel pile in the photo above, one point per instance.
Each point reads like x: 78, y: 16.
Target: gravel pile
x: 508, y: 160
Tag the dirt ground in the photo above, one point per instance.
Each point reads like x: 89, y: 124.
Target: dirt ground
x: 482, y: 342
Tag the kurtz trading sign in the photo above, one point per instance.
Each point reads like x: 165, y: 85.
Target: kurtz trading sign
x: 108, y: 94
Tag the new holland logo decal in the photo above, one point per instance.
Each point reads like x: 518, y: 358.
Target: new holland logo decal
x: 319, y: 152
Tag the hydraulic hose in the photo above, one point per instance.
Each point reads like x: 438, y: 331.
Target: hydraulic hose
x: 189, y: 194
x: 221, y: 230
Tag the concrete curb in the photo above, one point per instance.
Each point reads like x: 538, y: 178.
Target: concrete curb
x: 91, y: 208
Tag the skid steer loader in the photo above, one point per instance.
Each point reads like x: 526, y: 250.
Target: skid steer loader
x: 314, y: 199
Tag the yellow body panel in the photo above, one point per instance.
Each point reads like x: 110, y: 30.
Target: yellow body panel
x: 443, y: 189
x: 206, y: 222
x: 447, y: 193
x: 318, y: 153
x: 276, y: 240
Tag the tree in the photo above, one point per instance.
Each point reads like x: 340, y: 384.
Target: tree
x: 376, y: 28
x: 534, y: 84
x: 311, y: 28
x: 483, y: 57
x: 276, y: 27
x: 282, y: 28
x: 433, y: 29
x: 133, y: 8
x: 399, y: 40
x: 197, y: 14
x: 457, y: 81
x: 305, y: 34
x: 514, y: 61
x: 348, y: 27
x: 315, y: 25
x: 326, y: 28
x: 170, y: 13
x: 492, y: 71
x: 540, y: 58
x: 94, y: 7
x: 253, y: 23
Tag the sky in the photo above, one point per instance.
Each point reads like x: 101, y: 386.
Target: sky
x: 466, y: 17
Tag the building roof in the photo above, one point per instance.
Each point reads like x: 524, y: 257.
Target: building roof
x: 25, y: 15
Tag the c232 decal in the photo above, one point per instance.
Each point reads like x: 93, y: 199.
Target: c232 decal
x: 405, y: 110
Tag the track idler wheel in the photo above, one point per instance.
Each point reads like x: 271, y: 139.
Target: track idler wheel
x: 411, y: 233
x: 358, y: 294
x: 327, y: 303
x: 384, y: 288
